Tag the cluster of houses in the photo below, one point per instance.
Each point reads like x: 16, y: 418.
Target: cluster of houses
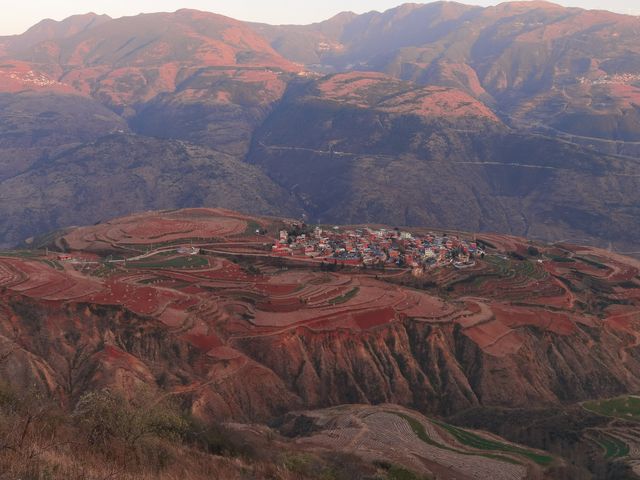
x: 619, y: 79
x: 377, y: 247
x: 34, y: 78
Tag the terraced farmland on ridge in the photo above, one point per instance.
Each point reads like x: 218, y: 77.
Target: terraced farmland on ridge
x: 196, y: 303
x: 410, y: 439
x: 491, y: 301
x: 625, y: 408
x: 620, y: 438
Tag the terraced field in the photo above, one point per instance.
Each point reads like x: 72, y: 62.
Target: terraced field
x: 245, y: 334
x: 613, y: 447
x: 131, y: 233
x: 620, y: 438
x: 420, y: 444
x: 492, y: 301
x: 625, y: 408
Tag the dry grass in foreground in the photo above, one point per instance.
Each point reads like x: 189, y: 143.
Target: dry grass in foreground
x: 107, y: 436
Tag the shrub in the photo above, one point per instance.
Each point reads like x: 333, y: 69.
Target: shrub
x: 105, y: 416
x: 533, y: 251
x: 217, y: 439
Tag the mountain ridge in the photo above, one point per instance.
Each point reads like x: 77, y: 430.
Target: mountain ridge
x: 431, y: 84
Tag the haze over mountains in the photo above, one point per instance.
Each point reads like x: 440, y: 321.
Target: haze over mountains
x: 521, y: 118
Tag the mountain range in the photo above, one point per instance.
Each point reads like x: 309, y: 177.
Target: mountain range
x: 520, y: 118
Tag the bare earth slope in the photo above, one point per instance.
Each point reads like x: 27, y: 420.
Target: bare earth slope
x: 234, y: 335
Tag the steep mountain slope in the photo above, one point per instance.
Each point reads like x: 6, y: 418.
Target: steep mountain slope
x: 189, y: 76
x: 34, y: 125
x: 211, y: 78
x: 366, y: 147
x: 123, y: 173
x: 542, y: 66
x: 350, y: 39
x: 442, y: 137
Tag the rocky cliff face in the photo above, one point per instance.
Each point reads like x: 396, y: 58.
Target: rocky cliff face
x: 433, y: 368
x: 437, y: 369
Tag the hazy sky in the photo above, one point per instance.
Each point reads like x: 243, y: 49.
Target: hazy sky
x: 21, y: 14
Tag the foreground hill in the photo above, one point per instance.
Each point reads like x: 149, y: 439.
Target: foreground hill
x: 238, y: 333
x: 173, y: 444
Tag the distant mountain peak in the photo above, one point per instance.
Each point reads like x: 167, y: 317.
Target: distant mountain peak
x: 50, y: 29
x: 528, y: 5
x: 70, y: 25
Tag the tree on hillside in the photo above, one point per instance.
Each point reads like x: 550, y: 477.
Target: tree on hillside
x: 108, y: 416
x: 79, y: 363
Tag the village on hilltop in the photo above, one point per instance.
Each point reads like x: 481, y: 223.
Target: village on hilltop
x: 362, y: 246
x: 366, y: 246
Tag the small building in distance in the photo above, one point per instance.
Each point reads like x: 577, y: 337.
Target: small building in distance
x: 188, y: 250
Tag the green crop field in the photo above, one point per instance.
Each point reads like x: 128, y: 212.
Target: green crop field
x: 627, y: 408
x: 613, y: 447
x: 592, y: 262
x: 346, y: 297
x: 560, y: 259
x: 252, y: 226
x: 53, y: 264
x: 20, y: 253
x: 476, y: 441
x: 419, y: 430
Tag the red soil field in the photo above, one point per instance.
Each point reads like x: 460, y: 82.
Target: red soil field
x: 507, y: 344
x: 213, y: 304
x: 39, y: 280
x: 280, y: 305
x: 487, y: 335
x: 271, y: 289
x: 374, y: 318
x: 204, y: 342
x: 151, y: 228
x: 514, y: 317
x: 223, y: 353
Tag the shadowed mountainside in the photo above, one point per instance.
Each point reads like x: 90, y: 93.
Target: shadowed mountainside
x: 488, y: 119
x: 542, y: 66
x: 123, y: 172
x: 370, y: 148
